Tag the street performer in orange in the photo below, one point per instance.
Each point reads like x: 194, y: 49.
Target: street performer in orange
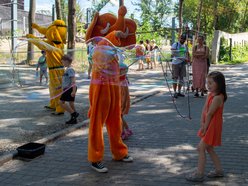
x: 104, y: 93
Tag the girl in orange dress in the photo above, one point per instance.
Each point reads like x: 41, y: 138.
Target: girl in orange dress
x: 211, y: 127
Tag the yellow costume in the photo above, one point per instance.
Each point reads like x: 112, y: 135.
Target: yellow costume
x: 55, y: 37
x: 104, y: 93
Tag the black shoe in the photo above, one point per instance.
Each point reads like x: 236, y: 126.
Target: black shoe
x: 202, y: 94
x: 49, y: 108
x: 181, y: 95
x: 57, y: 113
x: 72, y: 121
x: 75, y: 115
x: 175, y: 95
x: 196, y: 95
x: 99, y: 167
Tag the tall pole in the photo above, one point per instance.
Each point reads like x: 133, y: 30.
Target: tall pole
x: 31, y: 19
x: 53, y: 13
x: 13, y: 24
x: 121, y: 3
x: 1, y: 27
x: 173, y: 30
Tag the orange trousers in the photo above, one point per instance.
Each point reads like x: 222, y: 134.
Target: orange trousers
x: 105, y: 107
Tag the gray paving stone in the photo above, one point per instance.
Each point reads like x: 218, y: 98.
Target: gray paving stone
x: 163, y: 147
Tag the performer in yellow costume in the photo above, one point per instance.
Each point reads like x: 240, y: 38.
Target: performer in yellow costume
x: 104, y: 93
x: 54, y: 44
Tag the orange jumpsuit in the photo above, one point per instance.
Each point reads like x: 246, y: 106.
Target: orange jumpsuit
x: 105, y: 103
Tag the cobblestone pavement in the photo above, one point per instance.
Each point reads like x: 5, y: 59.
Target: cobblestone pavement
x: 163, y: 146
x: 22, y: 114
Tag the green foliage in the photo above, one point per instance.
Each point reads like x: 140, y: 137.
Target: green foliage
x: 154, y: 18
x: 231, y: 15
x: 239, y: 53
x: 224, y: 49
x: 99, y: 6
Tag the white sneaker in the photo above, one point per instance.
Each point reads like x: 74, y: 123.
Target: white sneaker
x: 127, y: 159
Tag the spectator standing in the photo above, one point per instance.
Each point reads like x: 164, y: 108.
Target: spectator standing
x: 90, y: 49
x: 43, y: 66
x: 154, y: 49
x: 199, y: 66
x: 140, y: 54
x: 211, y: 128
x: 180, y: 56
x: 148, y: 54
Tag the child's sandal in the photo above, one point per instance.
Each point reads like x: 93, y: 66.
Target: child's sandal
x: 195, y: 177
x: 215, y: 174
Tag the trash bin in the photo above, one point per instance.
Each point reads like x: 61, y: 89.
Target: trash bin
x: 31, y: 150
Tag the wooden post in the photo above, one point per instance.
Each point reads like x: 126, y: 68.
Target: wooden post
x: 230, y: 49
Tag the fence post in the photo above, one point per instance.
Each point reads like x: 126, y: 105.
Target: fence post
x: 13, y: 24
x: 173, y: 30
x: 230, y: 49
x: 1, y: 26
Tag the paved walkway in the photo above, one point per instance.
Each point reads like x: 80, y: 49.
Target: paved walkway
x: 163, y: 146
x: 22, y: 114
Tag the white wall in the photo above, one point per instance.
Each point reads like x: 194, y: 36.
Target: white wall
x: 237, y: 39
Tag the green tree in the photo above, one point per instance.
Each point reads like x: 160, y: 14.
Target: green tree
x: 71, y: 25
x: 31, y: 19
x: 154, y: 17
x: 58, y: 9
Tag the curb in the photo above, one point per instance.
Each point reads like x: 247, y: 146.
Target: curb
x: 49, y: 139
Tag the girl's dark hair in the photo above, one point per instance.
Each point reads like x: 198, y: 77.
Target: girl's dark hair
x: 219, y: 79
x: 67, y: 58
x: 202, y: 37
x: 141, y: 41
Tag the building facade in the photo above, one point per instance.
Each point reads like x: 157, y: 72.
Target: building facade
x: 20, y: 3
x: 22, y: 22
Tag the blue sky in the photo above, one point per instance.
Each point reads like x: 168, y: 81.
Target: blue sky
x: 47, y: 5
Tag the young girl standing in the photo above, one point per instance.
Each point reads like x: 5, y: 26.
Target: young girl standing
x: 211, y: 127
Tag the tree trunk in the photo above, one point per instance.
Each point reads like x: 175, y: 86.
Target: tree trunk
x: 243, y: 27
x: 31, y: 19
x: 199, y: 18
x: 71, y: 26
x: 215, y: 14
x: 58, y: 9
x: 180, y: 17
